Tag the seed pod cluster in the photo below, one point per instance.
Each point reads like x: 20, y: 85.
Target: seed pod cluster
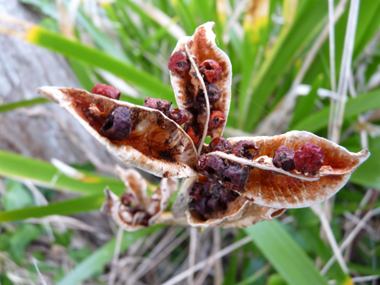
x: 243, y: 148
x: 307, y: 159
x: 231, y: 174
x: 200, y: 53
x: 209, y: 198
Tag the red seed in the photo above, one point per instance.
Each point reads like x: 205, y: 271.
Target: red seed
x: 308, y: 158
x: 217, y: 119
x: 220, y: 144
x: 106, y: 90
x: 179, y: 63
x: 126, y: 199
x: 118, y: 125
x: 245, y: 149
x: 211, y: 70
x: 178, y: 116
x: 158, y: 104
x: 213, y: 94
x: 195, y: 132
x: 284, y: 158
x: 235, y: 176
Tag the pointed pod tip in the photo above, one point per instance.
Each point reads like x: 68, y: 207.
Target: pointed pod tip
x: 51, y: 92
x: 363, y: 155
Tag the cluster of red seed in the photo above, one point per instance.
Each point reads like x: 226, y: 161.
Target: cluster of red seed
x: 127, y: 200
x: 210, y: 198
x: 242, y: 148
x: 210, y: 69
x: 307, y: 159
x: 231, y: 174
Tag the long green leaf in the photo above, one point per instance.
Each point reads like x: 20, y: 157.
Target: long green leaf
x: 354, y: 107
x: 306, y: 25
x: 284, y: 254
x: 23, y: 103
x: 45, y: 174
x: 68, y: 207
x: 96, y: 261
x: 55, y: 42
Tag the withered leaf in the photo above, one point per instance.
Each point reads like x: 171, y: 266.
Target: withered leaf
x: 154, y: 143
x: 188, y: 88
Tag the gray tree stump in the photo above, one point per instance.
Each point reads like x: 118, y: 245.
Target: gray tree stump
x: 44, y: 131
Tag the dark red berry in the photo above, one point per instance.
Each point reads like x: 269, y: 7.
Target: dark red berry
x: 158, y: 104
x: 235, y: 176
x: 118, y: 125
x: 217, y: 119
x: 145, y: 219
x: 210, y: 198
x: 284, y: 158
x: 106, y: 90
x: 245, y: 149
x: 211, y: 70
x: 213, y: 94
x: 308, y: 158
x: 220, y: 144
x: 211, y: 166
x: 126, y: 199
x: 179, y: 63
x: 178, y: 116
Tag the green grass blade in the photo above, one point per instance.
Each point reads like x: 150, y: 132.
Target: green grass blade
x: 45, y: 174
x: 187, y: 18
x: 284, y: 254
x: 354, y: 107
x: 146, y: 82
x: 23, y: 103
x: 289, y: 43
x: 96, y: 261
x: 68, y: 207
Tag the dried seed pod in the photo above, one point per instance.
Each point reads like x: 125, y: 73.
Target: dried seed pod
x: 213, y: 94
x: 156, y: 144
x: 308, y: 158
x: 118, y: 125
x: 284, y: 158
x: 211, y: 70
x: 106, y: 90
x: 271, y: 186
x: 220, y: 144
x: 245, y: 149
x: 145, y: 210
x: 188, y: 89
x: 217, y: 119
x: 178, y: 116
x: 158, y: 104
x: 179, y: 63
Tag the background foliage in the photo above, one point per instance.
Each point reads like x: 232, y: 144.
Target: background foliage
x: 274, y: 47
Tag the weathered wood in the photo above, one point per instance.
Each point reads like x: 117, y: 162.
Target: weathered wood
x: 37, y: 131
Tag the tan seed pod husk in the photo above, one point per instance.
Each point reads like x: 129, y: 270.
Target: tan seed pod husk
x: 156, y: 144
